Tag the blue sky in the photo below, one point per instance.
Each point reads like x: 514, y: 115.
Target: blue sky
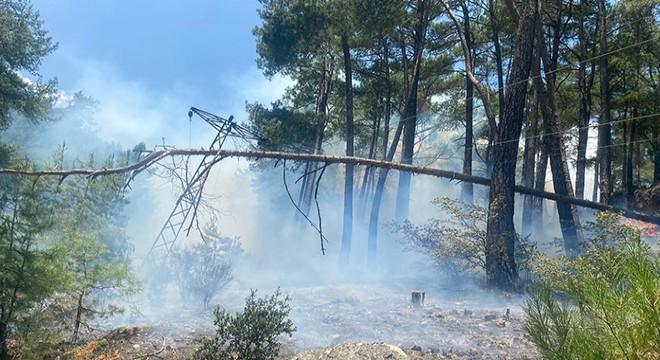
x: 147, y: 61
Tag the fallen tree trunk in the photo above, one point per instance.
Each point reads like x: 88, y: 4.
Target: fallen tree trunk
x: 153, y: 157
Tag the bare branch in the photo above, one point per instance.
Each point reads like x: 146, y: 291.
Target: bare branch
x: 157, y: 155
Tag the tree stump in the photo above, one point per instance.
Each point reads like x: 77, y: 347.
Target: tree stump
x: 418, y: 298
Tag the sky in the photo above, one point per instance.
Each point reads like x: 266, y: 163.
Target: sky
x: 148, y: 61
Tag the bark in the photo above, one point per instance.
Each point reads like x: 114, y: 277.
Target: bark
x: 539, y: 184
x: 409, y: 116
x: 157, y: 155
x: 498, y: 57
x: 528, y: 166
x: 386, y: 126
x: 467, y: 190
x: 594, y: 194
x: 501, y: 269
x: 347, y: 230
x: 584, y: 112
x: 568, y: 217
x: 630, y: 187
x: 372, y: 240
x: 481, y: 89
x: 604, y: 122
x: 78, y: 320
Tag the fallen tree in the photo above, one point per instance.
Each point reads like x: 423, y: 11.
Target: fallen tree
x: 154, y: 157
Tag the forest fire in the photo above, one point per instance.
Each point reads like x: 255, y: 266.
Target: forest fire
x: 647, y: 230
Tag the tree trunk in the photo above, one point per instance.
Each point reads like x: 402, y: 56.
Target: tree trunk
x: 630, y: 185
x: 568, y: 218
x: 481, y: 89
x: 585, y: 107
x: 78, y: 320
x: 529, y: 156
x: 348, y: 180
x: 604, y: 122
x: 321, y: 113
x: 498, y: 58
x: 409, y: 117
x: 372, y: 241
x: 501, y: 269
x: 539, y: 184
x: 4, y: 336
x: 467, y: 190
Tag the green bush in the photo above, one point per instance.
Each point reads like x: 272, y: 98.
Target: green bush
x: 604, y: 304
x: 252, y: 334
x: 457, y: 245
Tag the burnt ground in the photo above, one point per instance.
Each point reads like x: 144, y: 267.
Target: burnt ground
x: 451, y: 325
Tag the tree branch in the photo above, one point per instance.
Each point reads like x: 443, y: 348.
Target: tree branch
x: 157, y: 155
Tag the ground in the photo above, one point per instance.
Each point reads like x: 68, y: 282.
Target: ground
x: 362, y: 318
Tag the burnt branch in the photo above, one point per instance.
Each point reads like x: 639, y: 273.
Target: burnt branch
x: 318, y: 229
x: 155, y: 156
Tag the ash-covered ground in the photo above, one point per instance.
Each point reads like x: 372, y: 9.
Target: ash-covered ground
x: 453, y: 324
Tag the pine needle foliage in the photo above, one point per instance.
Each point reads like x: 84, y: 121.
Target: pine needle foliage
x: 604, y: 304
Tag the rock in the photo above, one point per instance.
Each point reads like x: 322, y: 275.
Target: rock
x: 416, y: 348
x: 355, y: 351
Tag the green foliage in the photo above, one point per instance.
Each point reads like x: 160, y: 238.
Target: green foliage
x: 90, y: 242
x: 457, y: 244
x: 30, y: 272
x: 604, y: 304
x: 64, y: 253
x: 252, y: 334
x: 23, y: 43
x: 283, y: 128
x: 204, y: 269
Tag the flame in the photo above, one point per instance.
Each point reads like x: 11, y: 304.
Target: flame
x: 646, y: 229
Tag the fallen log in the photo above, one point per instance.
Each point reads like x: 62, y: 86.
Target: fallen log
x: 154, y: 156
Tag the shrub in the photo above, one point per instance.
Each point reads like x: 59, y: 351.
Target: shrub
x: 252, y: 334
x: 204, y: 269
x: 457, y: 244
x: 604, y: 304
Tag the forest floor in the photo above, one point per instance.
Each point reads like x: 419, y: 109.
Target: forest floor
x: 451, y: 325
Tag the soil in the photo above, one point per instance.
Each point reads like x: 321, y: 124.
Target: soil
x: 341, y: 322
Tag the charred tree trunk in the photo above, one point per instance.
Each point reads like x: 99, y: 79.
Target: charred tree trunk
x: 482, y: 90
x: 501, y: 269
x: 347, y: 230
x: 568, y: 218
x: 529, y: 156
x: 604, y: 122
x: 409, y: 118
x: 467, y: 190
x: 78, y: 319
x: 372, y: 241
x: 321, y: 114
x: 630, y: 185
x: 411, y: 101
x: 585, y: 107
x: 539, y: 184
x: 498, y: 58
